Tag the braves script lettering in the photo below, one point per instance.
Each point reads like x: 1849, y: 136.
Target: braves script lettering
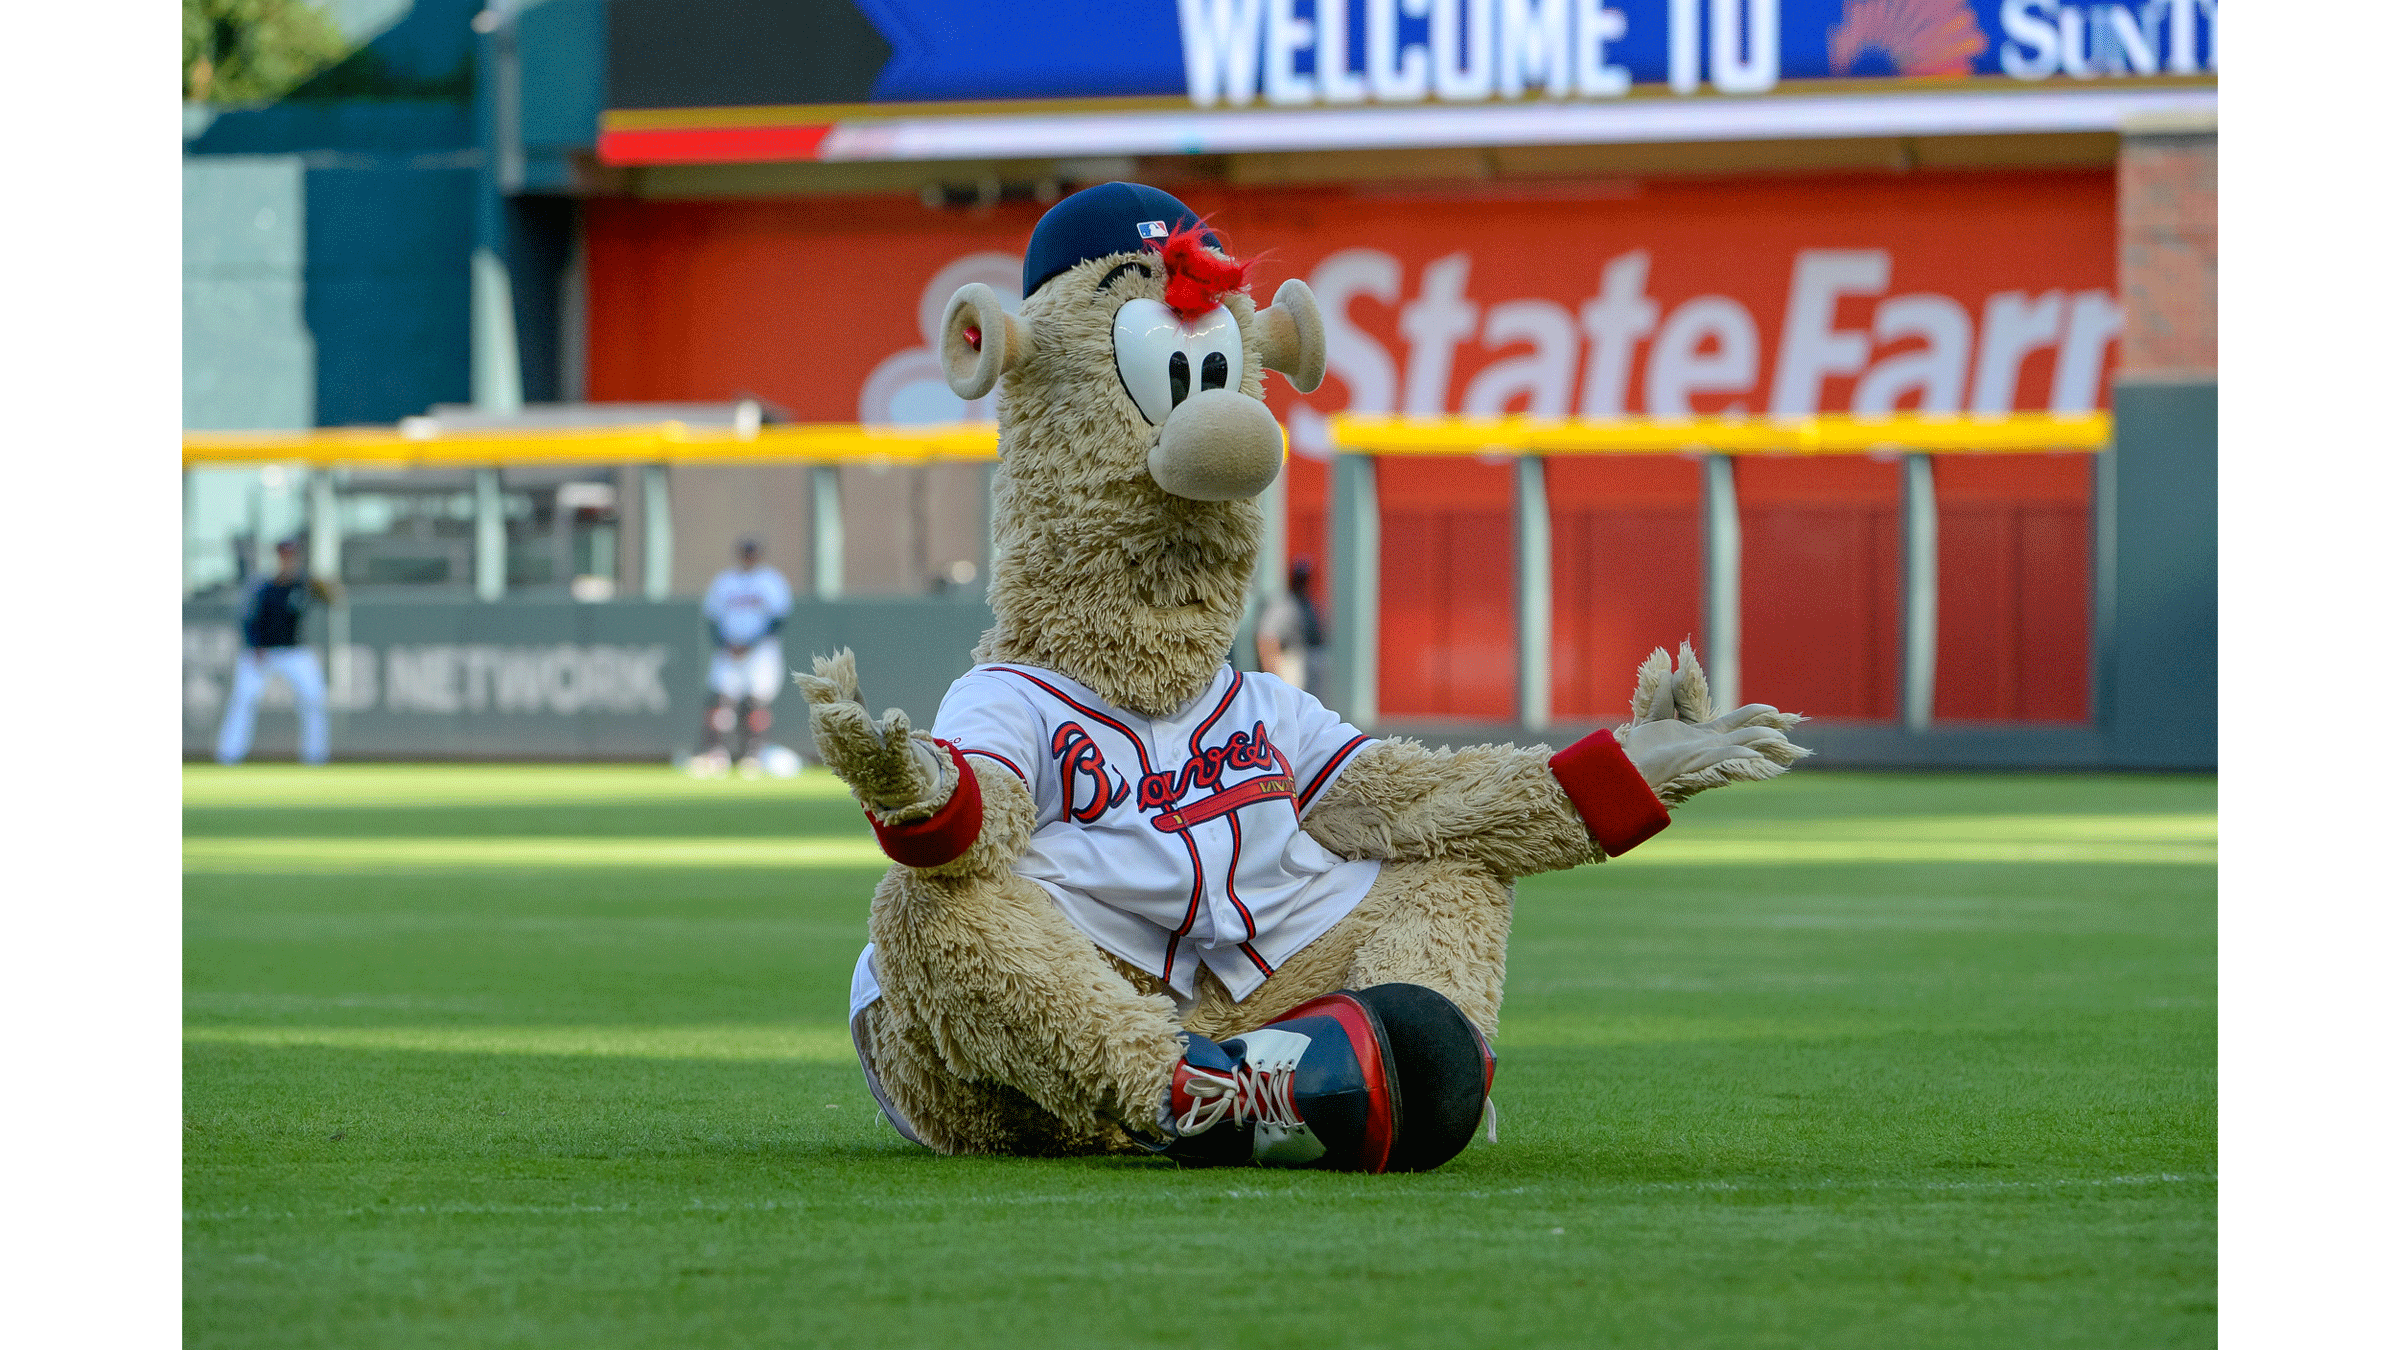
x: 1250, y: 749
x: 1243, y: 750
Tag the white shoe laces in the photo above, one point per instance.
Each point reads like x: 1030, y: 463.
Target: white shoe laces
x: 1249, y: 1096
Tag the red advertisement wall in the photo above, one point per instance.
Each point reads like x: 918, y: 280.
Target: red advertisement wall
x: 1987, y: 290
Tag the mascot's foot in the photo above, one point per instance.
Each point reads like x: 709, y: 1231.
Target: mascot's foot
x: 1317, y: 1088
x: 1391, y: 1078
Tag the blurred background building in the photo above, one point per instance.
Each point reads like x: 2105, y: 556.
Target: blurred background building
x: 589, y: 211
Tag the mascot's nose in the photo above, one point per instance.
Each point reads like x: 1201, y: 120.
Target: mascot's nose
x: 1218, y: 446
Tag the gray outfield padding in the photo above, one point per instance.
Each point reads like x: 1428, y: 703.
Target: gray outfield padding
x: 2154, y: 694
x: 559, y: 681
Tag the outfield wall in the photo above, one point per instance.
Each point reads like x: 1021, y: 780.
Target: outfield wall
x: 454, y: 679
x: 622, y: 681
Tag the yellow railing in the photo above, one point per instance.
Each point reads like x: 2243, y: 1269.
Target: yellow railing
x: 649, y: 443
x: 835, y: 443
x: 1829, y: 434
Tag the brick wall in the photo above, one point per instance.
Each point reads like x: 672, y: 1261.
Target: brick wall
x: 2167, y: 252
x: 2155, y: 678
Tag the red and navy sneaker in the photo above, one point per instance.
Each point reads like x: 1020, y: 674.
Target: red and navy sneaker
x: 1316, y: 1088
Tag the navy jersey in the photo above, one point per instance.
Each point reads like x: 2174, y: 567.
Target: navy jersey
x: 272, y: 618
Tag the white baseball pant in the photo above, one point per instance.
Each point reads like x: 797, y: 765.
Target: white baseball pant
x: 297, y: 667
x: 756, y: 674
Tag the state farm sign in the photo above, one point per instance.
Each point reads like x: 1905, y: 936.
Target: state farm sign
x: 1856, y: 292
x: 1983, y: 293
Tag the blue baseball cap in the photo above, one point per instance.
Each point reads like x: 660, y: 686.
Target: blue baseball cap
x: 1098, y: 221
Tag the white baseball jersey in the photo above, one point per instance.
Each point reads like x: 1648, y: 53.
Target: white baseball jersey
x: 744, y: 605
x: 1175, y: 841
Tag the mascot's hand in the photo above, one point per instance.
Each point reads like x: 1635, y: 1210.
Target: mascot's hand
x: 1682, y: 747
x: 896, y: 772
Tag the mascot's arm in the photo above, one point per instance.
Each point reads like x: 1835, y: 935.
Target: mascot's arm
x: 932, y: 809
x: 1521, y: 811
x: 1496, y: 805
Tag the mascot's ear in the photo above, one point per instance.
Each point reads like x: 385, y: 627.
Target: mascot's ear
x: 980, y: 341
x: 1292, y: 336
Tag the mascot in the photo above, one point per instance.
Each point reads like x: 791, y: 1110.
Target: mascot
x: 1143, y: 901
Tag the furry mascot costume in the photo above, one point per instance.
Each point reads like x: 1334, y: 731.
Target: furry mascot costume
x: 1142, y: 901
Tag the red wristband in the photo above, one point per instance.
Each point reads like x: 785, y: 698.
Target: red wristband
x: 1617, y: 807
x: 947, y: 833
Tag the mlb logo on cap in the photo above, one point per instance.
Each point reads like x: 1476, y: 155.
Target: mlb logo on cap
x: 1152, y: 229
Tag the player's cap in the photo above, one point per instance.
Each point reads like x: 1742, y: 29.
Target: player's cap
x: 1098, y: 221
x: 290, y: 545
x: 748, y: 543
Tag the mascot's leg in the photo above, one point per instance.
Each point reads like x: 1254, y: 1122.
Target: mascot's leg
x: 966, y: 1116
x: 1434, y: 925
x: 1439, y: 923
x: 1002, y: 1029
x: 1442, y: 924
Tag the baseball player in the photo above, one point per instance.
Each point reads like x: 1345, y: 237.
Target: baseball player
x: 271, y: 647
x: 1291, y: 638
x: 745, y: 607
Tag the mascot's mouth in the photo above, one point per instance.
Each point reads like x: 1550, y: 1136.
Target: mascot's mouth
x: 1165, y: 599
x: 1171, y: 577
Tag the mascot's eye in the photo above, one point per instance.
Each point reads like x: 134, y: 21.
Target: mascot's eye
x: 1148, y: 339
x: 1215, y: 341
x: 1156, y: 352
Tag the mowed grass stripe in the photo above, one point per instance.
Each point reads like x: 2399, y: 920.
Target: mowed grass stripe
x: 2145, y: 840
x: 1244, y: 1194
x: 415, y: 785
x: 816, y: 1045
x: 830, y: 1044
x: 235, y: 855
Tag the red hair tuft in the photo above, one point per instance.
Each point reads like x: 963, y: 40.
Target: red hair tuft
x: 1198, y: 280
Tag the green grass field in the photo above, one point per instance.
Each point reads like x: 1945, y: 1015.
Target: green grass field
x: 556, y: 1057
